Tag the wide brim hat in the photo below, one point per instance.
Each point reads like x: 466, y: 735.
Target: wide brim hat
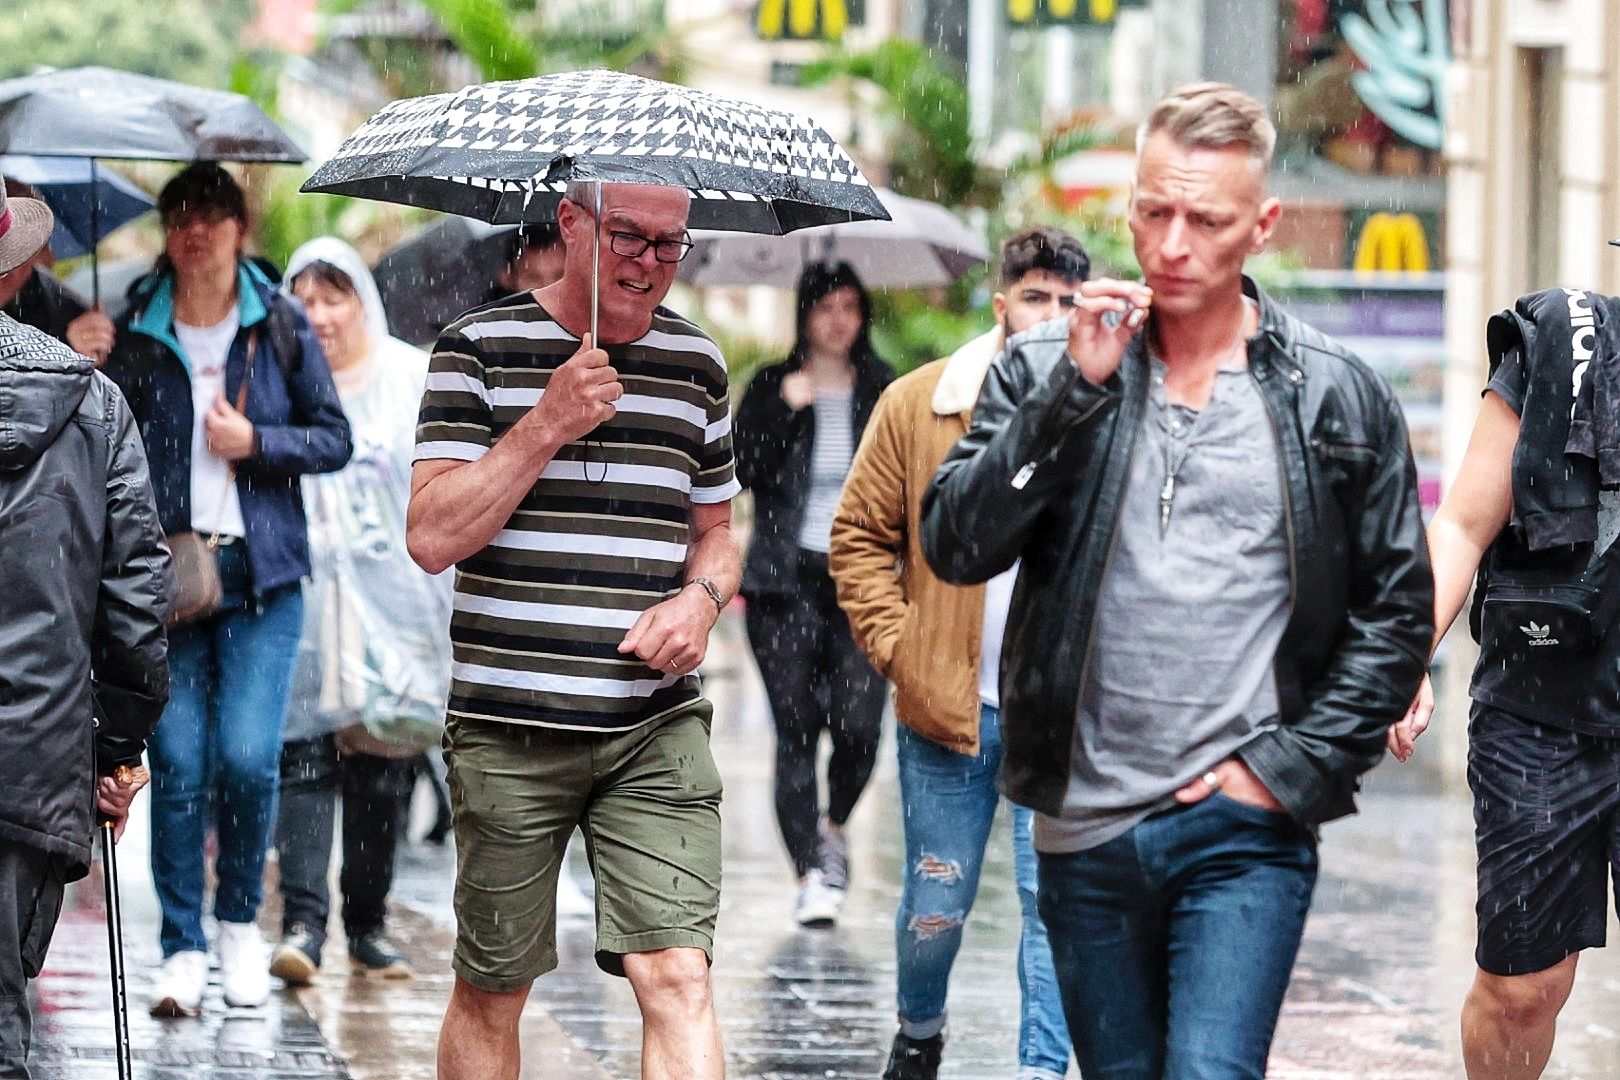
x: 25, y: 227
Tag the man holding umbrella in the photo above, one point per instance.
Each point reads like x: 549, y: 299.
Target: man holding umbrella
x: 36, y: 299
x: 82, y: 586
x: 583, y: 487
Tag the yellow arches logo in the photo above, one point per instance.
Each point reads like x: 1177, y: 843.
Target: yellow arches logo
x: 1393, y: 243
x: 802, y: 20
x: 1058, y: 12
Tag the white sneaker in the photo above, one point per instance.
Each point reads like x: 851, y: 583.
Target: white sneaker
x: 817, y: 905
x: 244, y: 972
x: 178, y: 987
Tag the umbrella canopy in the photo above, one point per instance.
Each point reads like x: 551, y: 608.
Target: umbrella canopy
x: 88, y: 203
x: 504, y: 152
x: 101, y: 113
x: 921, y: 245
x: 437, y: 272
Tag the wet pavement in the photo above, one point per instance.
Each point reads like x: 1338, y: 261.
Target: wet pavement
x: 1386, y: 960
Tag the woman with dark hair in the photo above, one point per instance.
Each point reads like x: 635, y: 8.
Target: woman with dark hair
x: 796, y: 432
x: 235, y: 403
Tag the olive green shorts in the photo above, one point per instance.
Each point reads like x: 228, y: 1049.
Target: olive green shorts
x: 648, y: 802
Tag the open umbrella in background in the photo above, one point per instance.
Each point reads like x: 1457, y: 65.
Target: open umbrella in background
x: 438, y: 272
x: 96, y: 112
x: 921, y: 245
x: 505, y: 153
x: 87, y: 207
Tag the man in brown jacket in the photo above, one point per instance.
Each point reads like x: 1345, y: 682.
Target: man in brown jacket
x: 927, y: 638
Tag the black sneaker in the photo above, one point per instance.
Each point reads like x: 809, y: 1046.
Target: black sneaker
x: 298, y: 957
x: 914, y: 1059
x: 834, y: 853
x: 374, y: 955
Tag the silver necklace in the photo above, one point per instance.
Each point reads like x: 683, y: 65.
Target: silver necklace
x: 1173, y: 462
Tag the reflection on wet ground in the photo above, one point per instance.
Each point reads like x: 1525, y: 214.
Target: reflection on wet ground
x: 1386, y: 960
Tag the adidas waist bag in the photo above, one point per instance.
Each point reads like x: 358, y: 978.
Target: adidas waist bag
x: 1540, y: 622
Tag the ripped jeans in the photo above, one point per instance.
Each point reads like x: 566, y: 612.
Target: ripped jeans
x: 948, y: 803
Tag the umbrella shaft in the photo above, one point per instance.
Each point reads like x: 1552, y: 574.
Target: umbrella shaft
x: 115, y: 952
x: 596, y: 266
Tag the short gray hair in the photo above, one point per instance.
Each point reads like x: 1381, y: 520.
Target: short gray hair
x: 1212, y: 116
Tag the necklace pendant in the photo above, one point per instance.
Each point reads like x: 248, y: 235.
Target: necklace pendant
x: 1167, y: 499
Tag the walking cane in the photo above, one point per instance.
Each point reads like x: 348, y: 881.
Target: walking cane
x: 125, y: 776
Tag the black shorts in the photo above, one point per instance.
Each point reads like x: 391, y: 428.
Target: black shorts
x: 1547, y: 827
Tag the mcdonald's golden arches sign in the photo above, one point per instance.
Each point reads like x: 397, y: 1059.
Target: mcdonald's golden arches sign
x: 1393, y: 243
x: 806, y: 20
x: 1066, y: 12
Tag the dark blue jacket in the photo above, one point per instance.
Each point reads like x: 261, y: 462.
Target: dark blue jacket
x: 291, y: 402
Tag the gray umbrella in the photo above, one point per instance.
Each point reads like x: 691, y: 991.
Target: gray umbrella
x: 921, y: 245
x: 97, y: 112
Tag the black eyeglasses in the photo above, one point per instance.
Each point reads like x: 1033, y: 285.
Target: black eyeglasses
x: 631, y: 245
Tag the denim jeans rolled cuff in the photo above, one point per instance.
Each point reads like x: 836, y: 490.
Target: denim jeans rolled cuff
x: 216, y: 752
x: 948, y: 807
x: 1174, y: 942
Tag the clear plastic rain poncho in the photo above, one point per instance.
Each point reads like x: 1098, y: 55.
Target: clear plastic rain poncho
x: 375, y: 653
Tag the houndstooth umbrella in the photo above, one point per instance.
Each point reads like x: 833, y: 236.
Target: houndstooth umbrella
x: 504, y: 152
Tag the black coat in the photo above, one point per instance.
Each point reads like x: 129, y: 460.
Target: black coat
x: 83, y: 591
x: 1041, y: 475
x: 773, y: 446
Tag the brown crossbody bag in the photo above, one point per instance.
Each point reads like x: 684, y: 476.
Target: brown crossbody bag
x: 194, y: 558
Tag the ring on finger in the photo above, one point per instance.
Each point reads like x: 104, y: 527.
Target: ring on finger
x: 1212, y: 780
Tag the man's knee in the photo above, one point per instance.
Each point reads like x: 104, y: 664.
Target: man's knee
x: 1525, y: 1001
x: 487, y: 1008
x: 670, y: 981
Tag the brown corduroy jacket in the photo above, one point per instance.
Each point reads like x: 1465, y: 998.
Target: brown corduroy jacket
x: 920, y: 633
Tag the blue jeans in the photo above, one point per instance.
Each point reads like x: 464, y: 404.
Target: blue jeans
x: 948, y: 802
x: 216, y: 754
x: 1175, y: 941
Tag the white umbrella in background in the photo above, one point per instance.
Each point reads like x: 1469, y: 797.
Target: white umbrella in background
x: 922, y: 245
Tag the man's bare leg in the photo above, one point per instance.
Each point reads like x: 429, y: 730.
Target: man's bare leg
x: 479, y: 1039
x: 1508, y: 1021
x: 680, y: 1035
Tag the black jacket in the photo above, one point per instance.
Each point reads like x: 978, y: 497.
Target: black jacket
x: 291, y: 401
x: 83, y: 591
x: 773, y: 446
x: 45, y: 304
x: 1361, y: 595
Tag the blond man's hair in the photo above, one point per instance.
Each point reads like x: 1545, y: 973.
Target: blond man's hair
x: 1212, y: 116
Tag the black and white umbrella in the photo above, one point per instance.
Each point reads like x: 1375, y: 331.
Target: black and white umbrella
x: 505, y: 152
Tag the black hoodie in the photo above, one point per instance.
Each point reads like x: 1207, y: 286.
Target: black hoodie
x: 83, y: 591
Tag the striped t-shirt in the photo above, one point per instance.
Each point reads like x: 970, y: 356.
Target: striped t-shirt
x: 601, y: 537
x: 830, y: 457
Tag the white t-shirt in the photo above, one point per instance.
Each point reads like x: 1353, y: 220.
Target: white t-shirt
x: 997, y: 600
x: 214, y: 504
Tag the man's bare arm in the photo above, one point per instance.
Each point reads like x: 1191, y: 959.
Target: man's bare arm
x: 457, y: 507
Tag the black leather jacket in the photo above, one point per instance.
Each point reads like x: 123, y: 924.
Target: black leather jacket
x: 83, y: 591
x: 1041, y: 476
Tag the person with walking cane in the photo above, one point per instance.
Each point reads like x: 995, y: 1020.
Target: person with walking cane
x: 83, y: 591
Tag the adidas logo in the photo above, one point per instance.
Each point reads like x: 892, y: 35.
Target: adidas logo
x: 1538, y: 634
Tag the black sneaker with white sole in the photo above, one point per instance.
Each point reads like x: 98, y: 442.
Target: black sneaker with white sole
x: 914, y: 1059
x: 373, y: 954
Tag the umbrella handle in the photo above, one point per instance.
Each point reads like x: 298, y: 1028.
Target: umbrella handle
x: 596, y: 264
x: 115, y: 951
x: 95, y: 240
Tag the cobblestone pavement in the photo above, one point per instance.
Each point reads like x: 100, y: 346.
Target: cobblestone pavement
x: 1386, y: 960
